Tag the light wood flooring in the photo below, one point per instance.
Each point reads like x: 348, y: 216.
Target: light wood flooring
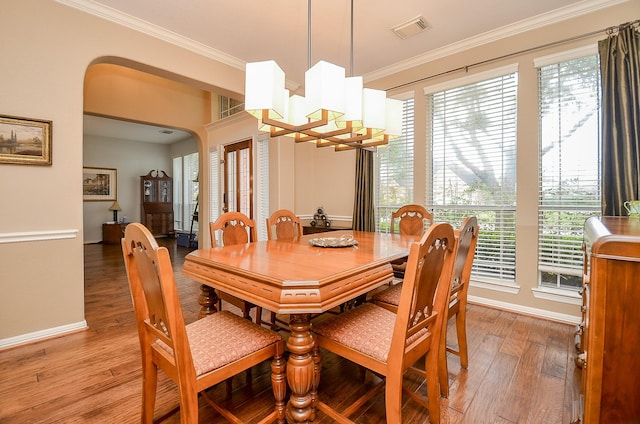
x: 521, y: 368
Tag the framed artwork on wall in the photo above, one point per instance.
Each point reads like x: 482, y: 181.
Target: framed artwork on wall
x: 25, y: 141
x: 99, y: 184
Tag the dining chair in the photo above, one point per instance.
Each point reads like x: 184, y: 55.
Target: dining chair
x: 234, y: 228
x: 411, y: 220
x: 389, y: 343
x: 282, y: 225
x: 467, y: 237
x: 196, y: 356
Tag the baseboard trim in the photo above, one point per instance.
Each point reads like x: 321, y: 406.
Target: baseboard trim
x: 525, y: 310
x: 42, y: 334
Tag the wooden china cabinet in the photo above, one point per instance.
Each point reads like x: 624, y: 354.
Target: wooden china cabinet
x: 609, y: 336
x: 157, y: 202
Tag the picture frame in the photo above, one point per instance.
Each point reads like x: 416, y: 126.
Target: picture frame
x: 25, y: 141
x: 99, y: 184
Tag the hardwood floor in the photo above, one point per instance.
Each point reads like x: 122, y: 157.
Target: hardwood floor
x: 520, y: 368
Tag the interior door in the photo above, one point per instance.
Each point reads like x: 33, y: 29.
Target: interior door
x: 238, y: 175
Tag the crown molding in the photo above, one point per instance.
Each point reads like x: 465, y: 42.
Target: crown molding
x: 93, y: 8
x: 558, y: 15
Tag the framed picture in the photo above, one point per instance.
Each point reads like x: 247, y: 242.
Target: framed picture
x: 25, y: 141
x: 99, y: 184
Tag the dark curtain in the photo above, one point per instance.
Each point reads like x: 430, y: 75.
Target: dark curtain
x: 363, y: 211
x: 620, y: 69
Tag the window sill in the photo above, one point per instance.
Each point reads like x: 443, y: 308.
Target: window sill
x: 558, y: 295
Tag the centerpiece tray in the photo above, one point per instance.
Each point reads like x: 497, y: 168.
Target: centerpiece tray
x: 333, y: 242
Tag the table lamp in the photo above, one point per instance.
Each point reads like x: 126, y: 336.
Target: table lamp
x: 115, y: 208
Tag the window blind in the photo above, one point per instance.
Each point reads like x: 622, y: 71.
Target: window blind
x: 214, y: 185
x: 569, y: 149
x: 190, y: 190
x: 471, y: 135
x: 394, y: 171
x: 178, y: 217
x: 262, y: 187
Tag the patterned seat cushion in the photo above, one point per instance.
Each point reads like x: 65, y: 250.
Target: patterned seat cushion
x: 221, y: 338
x: 390, y: 295
x: 367, y: 328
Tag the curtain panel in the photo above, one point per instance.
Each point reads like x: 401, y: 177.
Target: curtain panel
x: 363, y: 210
x: 620, y: 70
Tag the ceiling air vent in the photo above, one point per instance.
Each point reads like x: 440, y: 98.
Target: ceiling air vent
x: 413, y: 27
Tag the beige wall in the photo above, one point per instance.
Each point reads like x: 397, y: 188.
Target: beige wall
x: 46, y: 50
x: 131, y: 160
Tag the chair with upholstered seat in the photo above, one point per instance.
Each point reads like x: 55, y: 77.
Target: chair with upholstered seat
x: 234, y: 228
x: 467, y: 237
x: 198, y: 355
x: 410, y: 220
x: 283, y: 225
x: 390, y: 343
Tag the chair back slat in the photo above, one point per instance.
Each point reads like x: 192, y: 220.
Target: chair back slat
x: 235, y: 228
x: 425, y: 289
x: 467, y: 241
x: 284, y: 225
x: 412, y: 220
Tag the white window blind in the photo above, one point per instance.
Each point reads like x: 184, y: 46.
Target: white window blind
x: 394, y: 171
x: 262, y: 187
x: 178, y: 210
x: 214, y: 185
x: 185, y: 191
x: 569, y: 96
x: 472, y: 138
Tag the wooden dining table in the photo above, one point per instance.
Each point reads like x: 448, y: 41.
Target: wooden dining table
x: 298, y: 279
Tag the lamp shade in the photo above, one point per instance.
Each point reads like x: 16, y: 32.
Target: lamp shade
x: 115, y: 206
x: 353, y: 104
x: 324, y: 90
x: 374, y: 106
x: 394, y: 118
x: 264, y: 89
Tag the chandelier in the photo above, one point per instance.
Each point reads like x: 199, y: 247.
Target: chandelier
x: 335, y: 111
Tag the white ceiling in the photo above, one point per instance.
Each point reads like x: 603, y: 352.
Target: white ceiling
x: 240, y: 31
x: 131, y: 131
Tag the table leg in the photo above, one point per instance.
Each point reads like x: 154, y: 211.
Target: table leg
x: 208, y: 300
x: 300, y: 369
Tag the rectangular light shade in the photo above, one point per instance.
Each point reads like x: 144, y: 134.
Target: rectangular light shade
x: 393, y: 126
x: 264, y: 89
x: 374, y: 107
x: 296, y: 112
x: 353, y: 104
x: 324, y: 90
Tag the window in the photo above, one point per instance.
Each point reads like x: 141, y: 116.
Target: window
x: 261, y: 183
x: 215, y: 210
x: 229, y: 106
x: 185, y: 191
x: 262, y: 187
x: 569, y: 96
x: 471, y: 135
x: 394, y: 171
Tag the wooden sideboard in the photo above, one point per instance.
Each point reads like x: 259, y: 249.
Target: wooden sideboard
x: 309, y: 229
x: 610, y: 337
